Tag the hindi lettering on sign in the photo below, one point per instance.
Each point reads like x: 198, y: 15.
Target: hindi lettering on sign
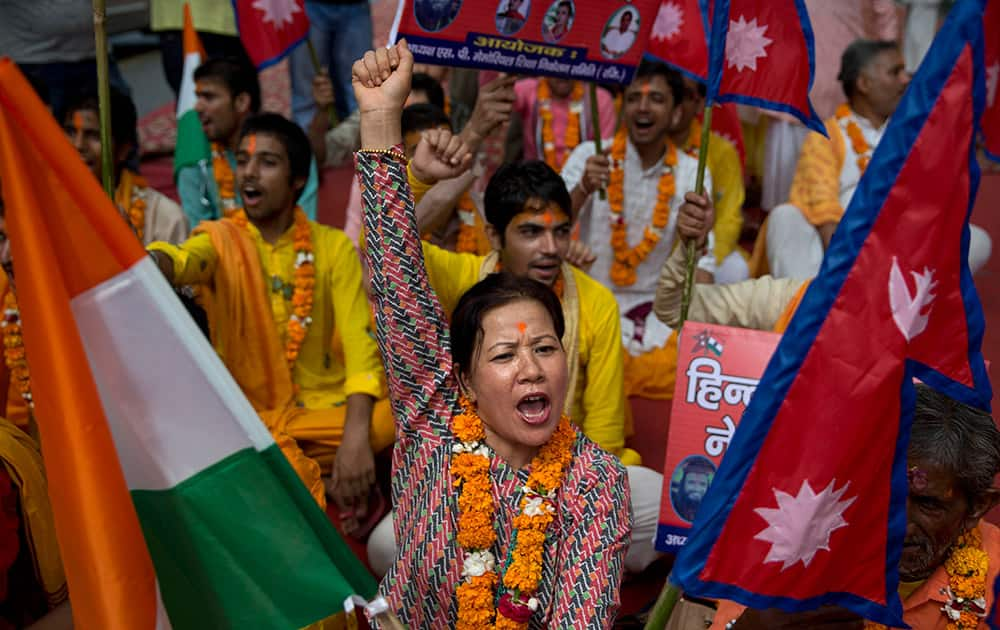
x: 717, y: 373
x: 718, y: 437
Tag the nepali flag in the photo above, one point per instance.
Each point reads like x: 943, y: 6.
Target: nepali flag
x: 726, y: 123
x: 762, y: 54
x: 680, y: 37
x: 991, y: 117
x: 270, y: 29
x: 809, y: 505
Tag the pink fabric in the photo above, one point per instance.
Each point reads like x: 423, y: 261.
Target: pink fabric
x: 352, y: 220
x: 526, y: 91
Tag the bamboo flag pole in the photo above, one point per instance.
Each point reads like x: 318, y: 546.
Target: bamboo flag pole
x: 669, y: 596
x: 330, y: 111
x: 595, y: 124
x: 699, y: 188
x: 104, y: 97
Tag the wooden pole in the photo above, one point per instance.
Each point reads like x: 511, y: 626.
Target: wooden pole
x: 317, y: 68
x: 595, y: 123
x: 104, y: 98
x: 699, y: 188
x: 664, y: 607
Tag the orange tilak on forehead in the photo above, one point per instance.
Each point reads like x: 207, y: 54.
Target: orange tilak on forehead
x: 78, y: 123
x: 549, y: 216
x: 252, y: 143
x: 522, y: 327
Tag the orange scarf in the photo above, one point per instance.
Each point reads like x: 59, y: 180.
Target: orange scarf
x: 243, y: 332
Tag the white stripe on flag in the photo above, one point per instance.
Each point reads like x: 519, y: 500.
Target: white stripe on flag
x: 172, y: 406
x: 186, y: 97
x: 162, y: 620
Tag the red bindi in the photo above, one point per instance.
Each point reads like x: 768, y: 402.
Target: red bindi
x: 522, y: 327
x: 252, y: 144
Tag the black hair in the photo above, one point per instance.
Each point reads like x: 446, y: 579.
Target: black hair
x: 648, y: 69
x: 423, y: 116
x: 958, y: 438
x: 235, y: 74
x: 288, y: 134
x: 856, y: 57
x: 423, y: 82
x: 514, y: 184
x: 494, y: 291
x: 123, y: 114
x: 568, y: 5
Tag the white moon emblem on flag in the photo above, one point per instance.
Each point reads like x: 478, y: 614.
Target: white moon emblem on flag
x: 992, y: 77
x: 278, y: 12
x: 801, y: 525
x: 745, y: 44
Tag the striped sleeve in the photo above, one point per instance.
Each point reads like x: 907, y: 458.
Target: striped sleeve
x: 411, y: 327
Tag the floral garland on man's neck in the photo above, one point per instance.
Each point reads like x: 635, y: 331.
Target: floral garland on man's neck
x: 304, y: 283
x: 471, y: 233
x: 131, y: 195
x: 470, y: 468
x: 967, y: 566
x: 225, y: 181
x: 861, y: 147
x: 13, y: 347
x: 627, y: 259
x: 573, y: 125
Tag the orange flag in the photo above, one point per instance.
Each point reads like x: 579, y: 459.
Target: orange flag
x: 55, y: 212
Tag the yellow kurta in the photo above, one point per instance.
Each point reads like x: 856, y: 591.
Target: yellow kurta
x: 598, y: 407
x: 728, y: 191
x: 339, y: 356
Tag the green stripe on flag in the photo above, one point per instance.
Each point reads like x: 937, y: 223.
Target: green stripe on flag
x: 192, y: 144
x: 243, y: 545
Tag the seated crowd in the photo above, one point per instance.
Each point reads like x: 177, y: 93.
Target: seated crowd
x: 488, y: 329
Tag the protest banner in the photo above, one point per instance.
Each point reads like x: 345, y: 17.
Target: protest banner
x: 717, y: 372
x: 600, y: 42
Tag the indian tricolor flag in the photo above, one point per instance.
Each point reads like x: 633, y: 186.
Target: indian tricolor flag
x: 173, y: 506
x: 192, y: 146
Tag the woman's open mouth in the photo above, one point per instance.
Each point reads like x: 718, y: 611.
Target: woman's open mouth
x: 534, y: 408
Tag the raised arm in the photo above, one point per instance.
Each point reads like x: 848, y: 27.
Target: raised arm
x: 411, y: 328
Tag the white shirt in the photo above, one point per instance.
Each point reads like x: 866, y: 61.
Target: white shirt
x: 618, y: 42
x: 850, y: 174
x: 641, y: 188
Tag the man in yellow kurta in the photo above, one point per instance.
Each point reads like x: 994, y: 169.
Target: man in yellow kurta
x: 728, y: 190
x: 289, y: 317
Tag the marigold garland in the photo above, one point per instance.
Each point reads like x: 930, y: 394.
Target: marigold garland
x: 693, y: 146
x: 470, y: 470
x: 623, y: 269
x: 225, y: 181
x: 966, y: 565
x: 471, y: 233
x: 132, y: 193
x: 573, y: 125
x: 304, y: 284
x: 861, y: 147
x: 13, y: 347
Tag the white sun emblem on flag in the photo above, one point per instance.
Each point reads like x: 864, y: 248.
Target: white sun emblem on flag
x: 668, y: 21
x: 992, y: 78
x: 278, y: 12
x: 801, y: 525
x: 745, y: 43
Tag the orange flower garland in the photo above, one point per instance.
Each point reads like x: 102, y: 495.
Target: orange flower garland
x: 225, y: 181
x: 470, y: 468
x: 544, y: 99
x: 304, y: 283
x: 693, y: 146
x: 132, y: 190
x: 13, y: 347
x: 966, y: 566
x: 471, y: 233
x: 623, y: 269
x: 858, y: 142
